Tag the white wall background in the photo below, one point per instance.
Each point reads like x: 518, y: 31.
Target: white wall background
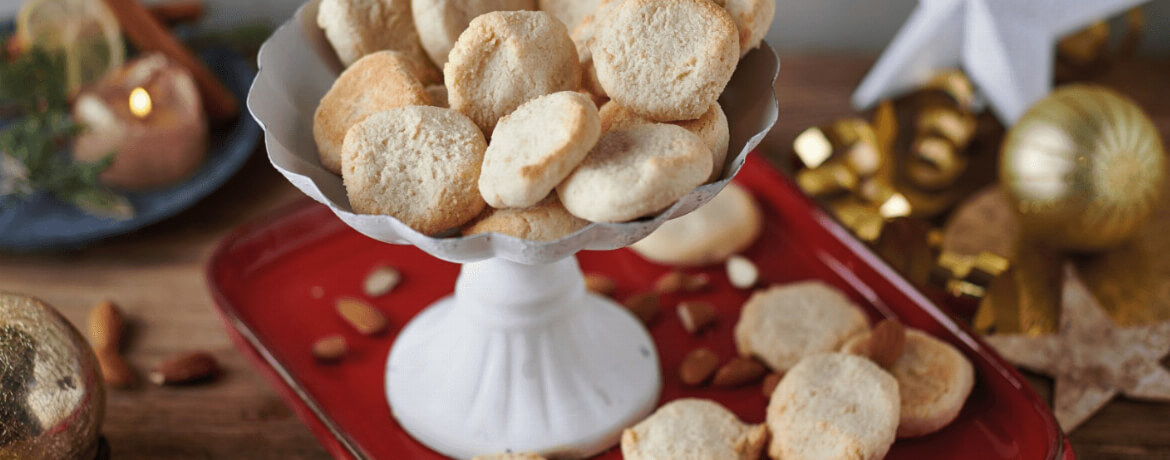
x: 813, y: 25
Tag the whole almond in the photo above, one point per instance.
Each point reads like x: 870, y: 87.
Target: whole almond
x: 739, y: 371
x: 670, y: 283
x: 742, y: 272
x: 381, y: 281
x: 697, y: 366
x: 106, y: 327
x: 769, y: 385
x: 886, y: 342
x: 600, y: 285
x: 186, y: 368
x: 363, y: 317
x: 116, y: 372
x: 645, y: 306
x: 696, y: 315
x: 331, y: 348
x: 696, y: 283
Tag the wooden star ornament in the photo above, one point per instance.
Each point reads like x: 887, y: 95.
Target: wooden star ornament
x: 1092, y: 359
x: 1007, y: 47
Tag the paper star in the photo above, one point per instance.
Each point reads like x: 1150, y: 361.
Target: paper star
x: 1005, y: 46
x: 1092, y: 359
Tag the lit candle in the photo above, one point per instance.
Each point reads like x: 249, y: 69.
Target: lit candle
x: 149, y: 116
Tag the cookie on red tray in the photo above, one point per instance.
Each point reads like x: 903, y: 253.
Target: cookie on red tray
x: 693, y: 429
x: 784, y: 324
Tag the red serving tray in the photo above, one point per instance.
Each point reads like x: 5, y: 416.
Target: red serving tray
x: 275, y: 282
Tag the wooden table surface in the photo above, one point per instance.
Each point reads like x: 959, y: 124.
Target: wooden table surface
x: 156, y: 276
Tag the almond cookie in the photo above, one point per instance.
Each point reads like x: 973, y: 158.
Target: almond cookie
x: 725, y: 226
x: 379, y: 81
x: 418, y: 164
x: 784, y: 324
x: 547, y: 221
x: 635, y: 172
x: 934, y: 380
x: 535, y: 147
x: 569, y: 12
x: 833, y: 406
x: 356, y: 28
x: 666, y: 60
x: 693, y: 429
x: 440, y: 22
x: 711, y: 128
x: 504, y: 59
x: 753, y: 18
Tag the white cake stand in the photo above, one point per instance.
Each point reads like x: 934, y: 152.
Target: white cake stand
x: 521, y: 358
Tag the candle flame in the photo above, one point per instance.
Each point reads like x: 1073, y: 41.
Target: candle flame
x: 140, y: 104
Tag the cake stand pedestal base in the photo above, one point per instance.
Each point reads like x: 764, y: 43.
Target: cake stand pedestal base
x: 522, y: 359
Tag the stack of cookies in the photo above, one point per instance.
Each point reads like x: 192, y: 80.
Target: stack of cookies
x: 529, y: 130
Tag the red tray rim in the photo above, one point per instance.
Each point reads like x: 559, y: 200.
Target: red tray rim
x: 341, y: 445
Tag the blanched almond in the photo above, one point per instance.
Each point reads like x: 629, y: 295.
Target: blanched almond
x: 381, y: 281
x: 742, y: 272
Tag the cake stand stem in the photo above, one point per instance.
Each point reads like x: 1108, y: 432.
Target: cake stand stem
x: 522, y: 359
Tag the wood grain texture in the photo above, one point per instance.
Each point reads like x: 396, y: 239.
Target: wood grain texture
x: 156, y: 276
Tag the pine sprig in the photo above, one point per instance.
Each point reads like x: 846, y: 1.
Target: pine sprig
x: 34, y: 83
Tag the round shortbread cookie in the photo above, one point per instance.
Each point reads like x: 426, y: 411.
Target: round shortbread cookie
x: 356, y: 28
x: 666, y: 60
x: 934, y: 380
x: 377, y: 82
x: 784, y: 324
x: 693, y: 429
x: 753, y: 18
x: 723, y: 227
x: 569, y: 12
x: 505, y: 59
x: 419, y: 164
x: 536, y: 146
x: 636, y: 172
x: 547, y: 221
x: 711, y: 128
x: 833, y: 406
x: 438, y: 95
x: 440, y: 22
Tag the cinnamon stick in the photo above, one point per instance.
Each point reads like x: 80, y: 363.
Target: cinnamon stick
x: 177, y: 11
x: 145, y: 31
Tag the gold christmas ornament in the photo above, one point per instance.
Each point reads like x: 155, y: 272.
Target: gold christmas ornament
x: 1083, y: 168
x: 934, y: 163
x: 51, y: 395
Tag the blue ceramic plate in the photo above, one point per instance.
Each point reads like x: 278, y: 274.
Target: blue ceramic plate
x: 42, y: 222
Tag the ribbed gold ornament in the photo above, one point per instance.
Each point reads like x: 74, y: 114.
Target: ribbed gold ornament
x: 51, y: 394
x: 1083, y: 168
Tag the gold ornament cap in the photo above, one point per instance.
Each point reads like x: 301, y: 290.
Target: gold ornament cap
x: 1083, y: 168
x: 51, y: 396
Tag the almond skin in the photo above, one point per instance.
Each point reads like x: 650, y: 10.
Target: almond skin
x: 363, y: 317
x: 106, y: 325
x: 186, y: 368
x: 677, y: 281
x: 696, y: 315
x: 768, y: 386
x: 739, y: 371
x: 645, y: 306
x: 600, y: 285
x: 330, y: 349
x: 886, y: 342
x: 698, y: 366
x: 116, y: 372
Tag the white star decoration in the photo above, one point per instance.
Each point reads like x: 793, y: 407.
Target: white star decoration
x: 1005, y: 46
x: 1091, y: 358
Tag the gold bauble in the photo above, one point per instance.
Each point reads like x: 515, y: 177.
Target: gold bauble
x: 1083, y: 168
x: 51, y: 394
